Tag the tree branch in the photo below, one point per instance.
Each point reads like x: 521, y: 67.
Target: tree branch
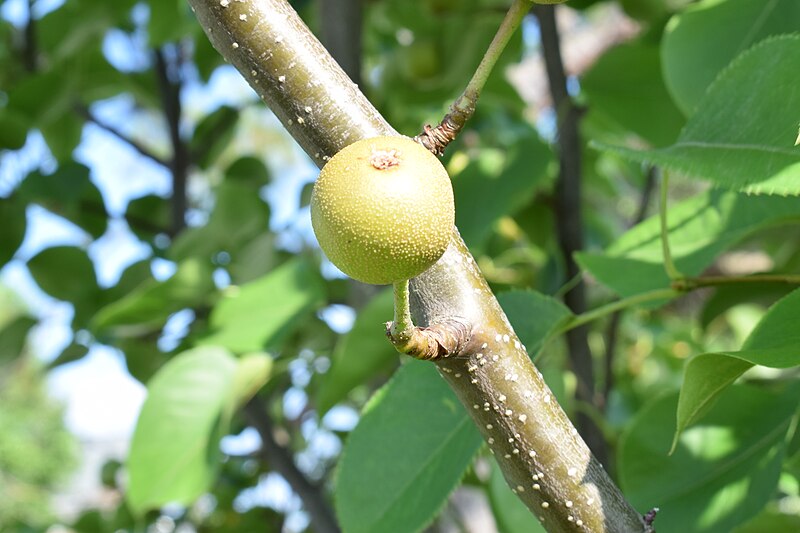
x: 569, y: 221
x: 87, y: 115
x: 282, y: 462
x: 169, y: 83
x: 291, y: 71
x: 30, y: 52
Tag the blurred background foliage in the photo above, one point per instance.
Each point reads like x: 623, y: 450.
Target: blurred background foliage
x: 154, y: 213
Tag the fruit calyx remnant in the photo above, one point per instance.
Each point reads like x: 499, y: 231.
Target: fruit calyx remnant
x: 383, y: 159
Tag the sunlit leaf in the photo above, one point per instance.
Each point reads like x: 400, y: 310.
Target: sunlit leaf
x: 723, y: 470
x: 774, y: 343
x: 258, y: 314
x: 175, y: 453
x: 625, y: 85
x: 147, y: 307
x: 700, y: 228
x: 742, y: 136
x: 690, y: 65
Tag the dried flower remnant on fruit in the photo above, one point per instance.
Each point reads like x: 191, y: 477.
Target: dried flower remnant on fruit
x: 384, y: 159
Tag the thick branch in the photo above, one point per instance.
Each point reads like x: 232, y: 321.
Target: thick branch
x: 288, y: 67
x: 282, y: 462
x: 569, y: 222
x: 292, y: 72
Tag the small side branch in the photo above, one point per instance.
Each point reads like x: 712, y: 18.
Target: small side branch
x: 436, y: 139
x: 87, y: 115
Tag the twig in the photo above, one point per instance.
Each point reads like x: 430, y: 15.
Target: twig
x: 688, y: 284
x: 569, y: 223
x: 612, y: 329
x: 436, y: 139
x: 281, y: 461
x: 86, y: 113
x: 669, y: 265
x: 30, y: 53
x: 169, y: 83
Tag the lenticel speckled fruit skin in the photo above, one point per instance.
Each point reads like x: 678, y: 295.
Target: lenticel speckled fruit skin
x: 382, y: 210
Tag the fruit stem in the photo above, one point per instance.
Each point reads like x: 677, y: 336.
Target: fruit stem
x: 402, y: 325
x: 436, y: 139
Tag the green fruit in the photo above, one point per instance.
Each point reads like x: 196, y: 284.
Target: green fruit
x: 382, y: 210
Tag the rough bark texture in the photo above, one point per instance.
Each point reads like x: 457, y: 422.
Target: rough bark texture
x: 292, y: 72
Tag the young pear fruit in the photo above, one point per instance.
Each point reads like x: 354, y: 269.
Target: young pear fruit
x: 382, y: 209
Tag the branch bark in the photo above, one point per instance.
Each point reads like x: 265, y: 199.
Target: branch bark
x: 169, y: 83
x: 282, y: 462
x: 294, y: 74
x: 569, y: 222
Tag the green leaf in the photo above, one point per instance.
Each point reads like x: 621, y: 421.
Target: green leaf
x: 360, y: 354
x: 511, y: 514
x: 774, y: 343
x: 771, y: 521
x: 406, y: 456
x: 142, y: 357
x: 13, y: 130
x: 263, y: 312
x: 690, y: 65
x: 65, y: 273
x: 700, y: 228
x: 239, y: 216
x: 626, y: 86
x: 146, y: 308
x: 68, y: 192
x: 70, y: 354
x: 148, y: 215
x: 213, y: 134
x: 496, y: 184
x: 724, y: 298
x: 742, y: 136
x: 723, y: 470
x: 248, y: 170
x: 13, y: 336
x: 170, y: 20
x: 533, y: 316
x: 12, y: 220
x: 175, y: 452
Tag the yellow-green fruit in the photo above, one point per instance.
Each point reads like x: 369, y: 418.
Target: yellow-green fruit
x: 382, y: 210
